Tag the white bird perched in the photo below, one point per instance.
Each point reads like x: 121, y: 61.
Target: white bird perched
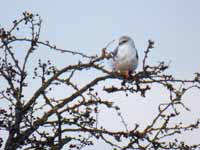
x: 125, y: 56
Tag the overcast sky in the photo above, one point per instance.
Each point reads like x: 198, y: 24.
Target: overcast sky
x: 89, y: 25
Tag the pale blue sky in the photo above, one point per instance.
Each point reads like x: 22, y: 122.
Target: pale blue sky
x: 89, y: 25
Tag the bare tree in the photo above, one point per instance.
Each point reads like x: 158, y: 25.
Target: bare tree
x: 40, y: 119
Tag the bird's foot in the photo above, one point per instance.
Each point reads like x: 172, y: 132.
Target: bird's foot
x: 127, y: 75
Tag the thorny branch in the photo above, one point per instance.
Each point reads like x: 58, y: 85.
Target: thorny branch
x: 44, y: 120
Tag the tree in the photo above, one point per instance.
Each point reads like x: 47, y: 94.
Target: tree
x: 40, y: 119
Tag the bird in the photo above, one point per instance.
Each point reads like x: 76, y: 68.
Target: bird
x: 125, y: 57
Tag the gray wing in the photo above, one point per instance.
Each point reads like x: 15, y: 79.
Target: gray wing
x: 114, y: 53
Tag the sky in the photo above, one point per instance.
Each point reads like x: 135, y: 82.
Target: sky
x: 87, y: 26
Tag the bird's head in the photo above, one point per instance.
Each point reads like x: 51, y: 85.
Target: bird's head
x: 125, y: 40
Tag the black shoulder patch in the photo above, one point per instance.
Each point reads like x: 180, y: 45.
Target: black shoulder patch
x: 137, y: 55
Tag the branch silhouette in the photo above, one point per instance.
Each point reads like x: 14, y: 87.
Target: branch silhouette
x: 46, y: 121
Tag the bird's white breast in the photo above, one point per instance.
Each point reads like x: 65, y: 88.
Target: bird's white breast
x: 126, y: 58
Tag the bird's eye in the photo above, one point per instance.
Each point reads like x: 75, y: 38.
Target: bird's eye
x: 122, y: 42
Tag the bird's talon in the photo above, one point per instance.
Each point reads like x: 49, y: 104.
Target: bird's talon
x: 123, y: 83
